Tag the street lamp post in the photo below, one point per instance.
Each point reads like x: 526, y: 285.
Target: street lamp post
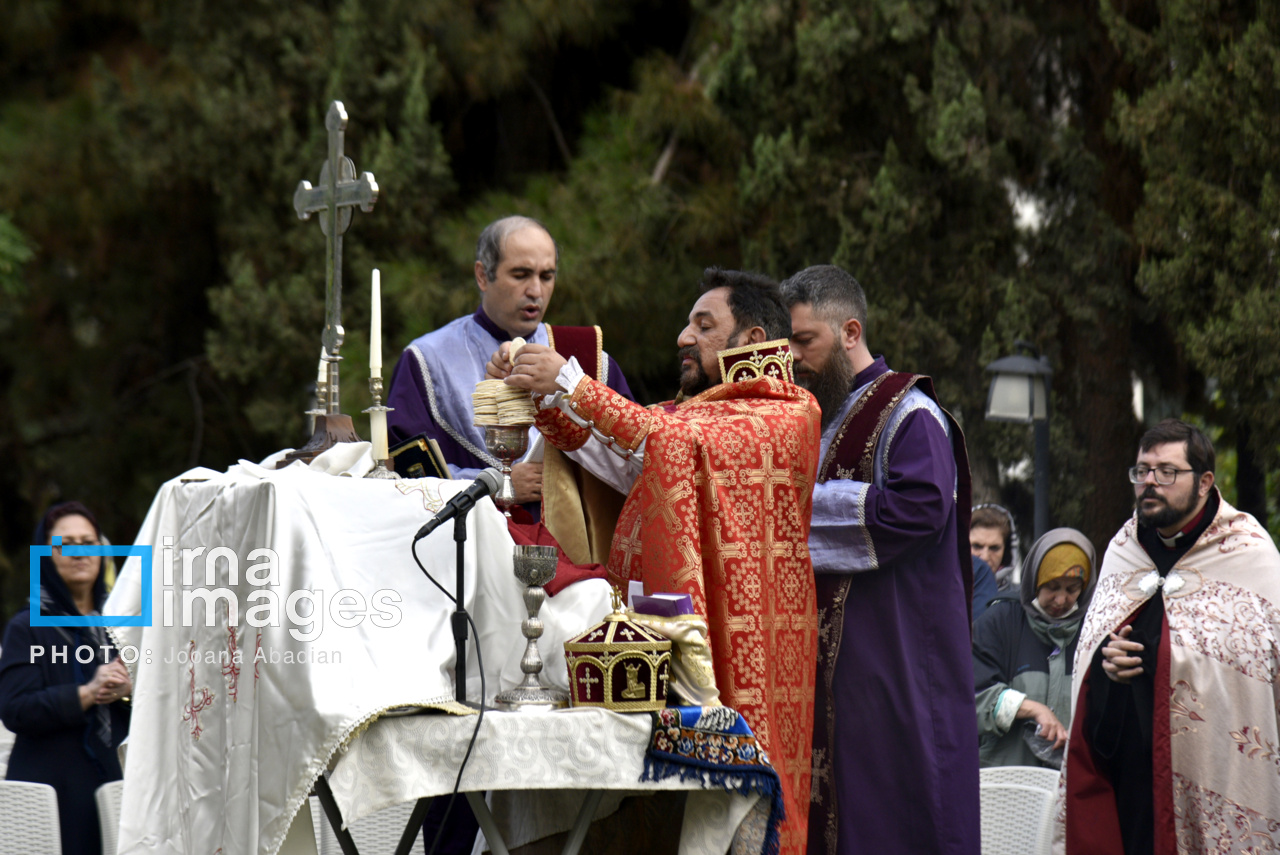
x: 1020, y: 393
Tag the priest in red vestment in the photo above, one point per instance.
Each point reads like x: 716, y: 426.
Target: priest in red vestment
x: 719, y: 490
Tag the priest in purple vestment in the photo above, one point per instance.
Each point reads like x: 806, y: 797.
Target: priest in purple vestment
x: 515, y: 270
x: 895, y: 766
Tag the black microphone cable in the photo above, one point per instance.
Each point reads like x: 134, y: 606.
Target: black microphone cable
x: 479, y: 718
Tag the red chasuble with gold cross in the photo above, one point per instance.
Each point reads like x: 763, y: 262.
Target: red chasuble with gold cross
x: 721, y: 512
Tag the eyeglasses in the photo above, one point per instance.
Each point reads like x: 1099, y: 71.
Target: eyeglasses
x: 1165, y: 475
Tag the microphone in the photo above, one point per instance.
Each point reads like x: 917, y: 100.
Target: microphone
x: 488, y: 483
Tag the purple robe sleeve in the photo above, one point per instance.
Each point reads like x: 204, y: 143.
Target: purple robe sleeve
x: 411, y: 416
x: 617, y: 380
x: 858, y: 526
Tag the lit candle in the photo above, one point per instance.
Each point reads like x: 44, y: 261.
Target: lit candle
x: 378, y: 427
x: 375, y: 336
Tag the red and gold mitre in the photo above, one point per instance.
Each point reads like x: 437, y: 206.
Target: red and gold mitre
x: 753, y: 361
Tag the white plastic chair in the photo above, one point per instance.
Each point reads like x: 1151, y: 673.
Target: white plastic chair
x: 6, y: 746
x: 30, y: 813
x: 1025, y: 776
x: 1015, y: 819
x: 108, y: 798
x: 377, y: 833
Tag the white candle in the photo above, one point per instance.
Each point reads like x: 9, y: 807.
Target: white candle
x: 375, y: 337
x: 322, y: 370
x: 378, y: 427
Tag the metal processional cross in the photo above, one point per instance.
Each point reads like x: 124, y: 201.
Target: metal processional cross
x: 337, y: 194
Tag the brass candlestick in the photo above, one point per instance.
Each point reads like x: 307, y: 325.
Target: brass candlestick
x: 378, y: 430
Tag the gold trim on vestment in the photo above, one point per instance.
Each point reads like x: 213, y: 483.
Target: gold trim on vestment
x: 848, y: 420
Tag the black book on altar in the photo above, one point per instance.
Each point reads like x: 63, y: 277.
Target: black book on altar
x: 419, y: 457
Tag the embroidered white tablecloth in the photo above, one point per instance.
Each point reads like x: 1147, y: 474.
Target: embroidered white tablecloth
x: 538, y: 765
x: 224, y: 748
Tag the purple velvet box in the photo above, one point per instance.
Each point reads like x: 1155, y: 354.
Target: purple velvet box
x: 662, y: 605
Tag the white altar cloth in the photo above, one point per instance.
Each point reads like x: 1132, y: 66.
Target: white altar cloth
x: 547, y: 760
x: 223, y: 752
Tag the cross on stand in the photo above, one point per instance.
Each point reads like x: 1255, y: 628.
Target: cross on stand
x: 338, y: 192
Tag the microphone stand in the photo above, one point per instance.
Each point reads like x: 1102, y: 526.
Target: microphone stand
x: 459, y: 616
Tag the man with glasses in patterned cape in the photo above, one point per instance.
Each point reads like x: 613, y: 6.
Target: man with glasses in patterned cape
x: 1175, y: 742
x: 719, y: 488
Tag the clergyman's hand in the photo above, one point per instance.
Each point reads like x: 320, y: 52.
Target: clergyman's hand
x: 526, y: 481
x: 1118, y: 656
x: 498, y: 366
x: 536, y: 368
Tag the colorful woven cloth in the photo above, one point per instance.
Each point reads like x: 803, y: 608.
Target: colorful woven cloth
x: 716, y: 745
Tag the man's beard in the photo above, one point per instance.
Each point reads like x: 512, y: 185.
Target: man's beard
x: 832, y: 384
x: 1167, y: 514
x: 695, y: 381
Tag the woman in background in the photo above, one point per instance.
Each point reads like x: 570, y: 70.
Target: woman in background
x: 1023, y: 652
x: 68, y: 715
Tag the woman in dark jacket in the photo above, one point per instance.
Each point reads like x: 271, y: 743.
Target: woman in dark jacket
x: 61, y: 690
x: 1023, y: 650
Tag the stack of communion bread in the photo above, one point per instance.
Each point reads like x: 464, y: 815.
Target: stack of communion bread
x: 496, y: 403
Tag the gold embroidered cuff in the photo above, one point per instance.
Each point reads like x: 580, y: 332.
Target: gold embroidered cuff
x: 623, y: 424
x: 560, y: 430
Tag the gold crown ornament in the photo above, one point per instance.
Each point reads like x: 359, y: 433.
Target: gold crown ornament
x: 753, y: 361
x: 619, y: 665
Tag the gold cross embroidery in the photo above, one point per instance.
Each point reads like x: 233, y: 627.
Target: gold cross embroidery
x: 768, y: 475
x: 726, y: 550
x: 664, y: 502
x: 629, y: 545
x: 770, y: 547
x: 753, y: 415
x: 691, y: 566
x: 727, y: 478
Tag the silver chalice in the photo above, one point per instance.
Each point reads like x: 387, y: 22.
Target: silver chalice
x: 508, y: 443
x: 535, y: 566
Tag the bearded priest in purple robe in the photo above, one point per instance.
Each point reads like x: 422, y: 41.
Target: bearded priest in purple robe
x: 895, y: 748
x: 431, y: 387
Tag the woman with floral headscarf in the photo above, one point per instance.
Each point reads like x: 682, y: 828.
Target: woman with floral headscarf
x: 62, y: 691
x: 1023, y: 651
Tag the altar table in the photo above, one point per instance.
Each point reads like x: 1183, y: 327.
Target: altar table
x: 542, y: 768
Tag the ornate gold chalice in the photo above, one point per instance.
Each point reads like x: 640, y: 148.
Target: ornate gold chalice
x: 508, y: 443
x: 535, y: 566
